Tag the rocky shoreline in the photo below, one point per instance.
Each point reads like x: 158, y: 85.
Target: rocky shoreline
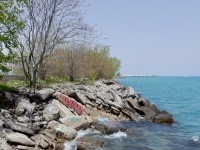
x: 51, y: 116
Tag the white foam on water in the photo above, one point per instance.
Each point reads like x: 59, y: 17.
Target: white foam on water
x: 71, y: 145
x: 116, y: 135
x: 83, y: 133
x: 195, y: 138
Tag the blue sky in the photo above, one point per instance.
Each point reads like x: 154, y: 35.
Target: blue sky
x: 150, y: 36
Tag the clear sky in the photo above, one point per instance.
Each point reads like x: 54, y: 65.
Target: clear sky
x: 150, y: 36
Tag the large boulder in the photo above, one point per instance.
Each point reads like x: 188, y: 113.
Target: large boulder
x: 51, y: 112
x: 44, y: 93
x: 108, y: 125
x: 70, y: 103
x: 68, y: 133
x: 64, y: 111
x: 19, y: 138
x: 20, y: 128
x: 163, y: 117
x: 76, y: 122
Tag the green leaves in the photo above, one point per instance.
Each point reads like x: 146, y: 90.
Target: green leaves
x: 10, y: 25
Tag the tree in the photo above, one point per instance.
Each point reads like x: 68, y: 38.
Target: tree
x: 100, y: 64
x: 49, y: 24
x: 10, y: 25
x: 115, y: 65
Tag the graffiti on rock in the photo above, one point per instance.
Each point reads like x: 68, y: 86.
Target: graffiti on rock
x: 71, y: 104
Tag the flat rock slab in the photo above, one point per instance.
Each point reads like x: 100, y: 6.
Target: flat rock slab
x: 64, y: 111
x: 69, y: 133
x: 44, y: 93
x: 108, y: 125
x: 76, y: 122
x: 19, y: 138
x: 70, y: 103
x: 20, y: 128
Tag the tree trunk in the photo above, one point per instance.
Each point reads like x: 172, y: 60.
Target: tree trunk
x: 71, y: 78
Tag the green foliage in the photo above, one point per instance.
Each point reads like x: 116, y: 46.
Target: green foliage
x: 100, y: 64
x: 115, y: 65
x: 17, y: 83
x: 52, y: 80
x: 7, y: 87
x: 92, y: 75
x: 10, y: 25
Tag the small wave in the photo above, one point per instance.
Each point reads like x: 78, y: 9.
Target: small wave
x: 83, y: 133
x: 71, y: 145
x: 195, y: 138
x: 116, y: 135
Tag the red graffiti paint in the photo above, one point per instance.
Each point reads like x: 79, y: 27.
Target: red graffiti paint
x: 71, y: 104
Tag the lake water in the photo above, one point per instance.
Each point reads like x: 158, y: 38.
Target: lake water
x: 180, y: 96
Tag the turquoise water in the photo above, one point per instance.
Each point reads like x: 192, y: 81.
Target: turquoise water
x: 180, y: 96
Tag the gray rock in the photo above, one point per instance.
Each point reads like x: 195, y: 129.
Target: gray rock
x: 2, y: 123
x: 78, y: 97
x: 131, y: 92
x: 76, y: 122
x: 116, y: 98
x: 64, y: 111
x: 20, y: 128
x: 53, y: 124
x: 23, y: 119
x: 51, y: 112
x: 5, y: 145
x: 19, y: 138
x: 22, y: 106
x: 37, y: 119
x: 22, y: 147
x: 45, y: 93
x: 108, y: 126
x: 69, y: 133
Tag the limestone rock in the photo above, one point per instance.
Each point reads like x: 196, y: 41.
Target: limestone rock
x: 5, y: 145
x: 78, y: 97
x: 51, y: 112
x: 19, y: 138
x: 20, y: 128
x: 108, y: 125
x: 116, y: 98
x: 64, y: 111
x: 131, y: 92
x: 53, y: 124
x: 22, y: 147
x: 22, y: 106
x: 69, y: 133
x: 76, y: 122
x: 45, y: 93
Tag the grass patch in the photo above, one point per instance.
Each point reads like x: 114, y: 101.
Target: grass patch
x: 6, y: 87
